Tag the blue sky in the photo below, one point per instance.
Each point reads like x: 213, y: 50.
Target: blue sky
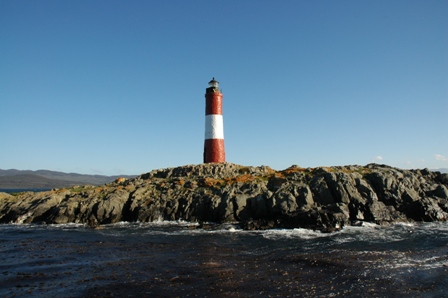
x: 117, y: 87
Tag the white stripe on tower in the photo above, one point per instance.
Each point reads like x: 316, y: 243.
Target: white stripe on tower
x: 214, y: 127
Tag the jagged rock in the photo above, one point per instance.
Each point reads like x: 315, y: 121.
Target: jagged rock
x: 321, y: 192
x: 440, y: 191
x: 110, y: 209
x: 4, y: 195
x: 258, y: 197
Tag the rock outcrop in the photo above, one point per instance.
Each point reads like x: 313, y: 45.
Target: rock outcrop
x: 256, y: 197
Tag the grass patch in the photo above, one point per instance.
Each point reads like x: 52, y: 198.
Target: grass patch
x: 16, y: 194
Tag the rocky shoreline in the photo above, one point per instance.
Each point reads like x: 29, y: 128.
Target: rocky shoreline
x: 324, y: 198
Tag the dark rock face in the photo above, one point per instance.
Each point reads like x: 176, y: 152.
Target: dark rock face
x: 257, y: 197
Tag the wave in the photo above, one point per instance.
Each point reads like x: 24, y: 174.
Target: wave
x: 297, y: 233
x: 364, y: 232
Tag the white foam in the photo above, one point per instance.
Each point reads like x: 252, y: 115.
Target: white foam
x: 369, y: 224
x: 404, y: 224
x: 158, y: 223
x: 403, y: 261
x: 374, y: 233
x: 67, y: 226
x: 294, y: 233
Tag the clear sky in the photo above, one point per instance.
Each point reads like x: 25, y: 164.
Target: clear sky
x: 117, y: 87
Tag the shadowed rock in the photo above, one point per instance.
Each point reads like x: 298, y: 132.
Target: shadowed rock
x: 256, y: 197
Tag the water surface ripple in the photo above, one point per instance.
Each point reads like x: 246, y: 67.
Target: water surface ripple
x: 170, y: 259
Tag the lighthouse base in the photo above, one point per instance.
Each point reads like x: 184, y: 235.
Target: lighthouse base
x: 214, y: 151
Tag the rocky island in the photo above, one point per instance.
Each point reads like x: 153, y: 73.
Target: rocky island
x: 323, y: 198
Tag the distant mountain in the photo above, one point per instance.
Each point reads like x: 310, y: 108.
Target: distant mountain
x: 442, y: 170
x: 17, y: 179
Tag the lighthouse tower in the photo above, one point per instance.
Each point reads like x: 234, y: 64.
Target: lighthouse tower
x: 214, y: 127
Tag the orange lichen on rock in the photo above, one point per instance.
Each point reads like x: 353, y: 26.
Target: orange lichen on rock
x: 120, y: 180
x: 241, y: 178
x: 293, y: 169
x: 207, y: 182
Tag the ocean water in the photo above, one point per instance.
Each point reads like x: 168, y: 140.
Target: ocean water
x: 178, y: 259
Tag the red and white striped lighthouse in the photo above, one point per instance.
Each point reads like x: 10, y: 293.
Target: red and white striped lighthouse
x: 214, y: 126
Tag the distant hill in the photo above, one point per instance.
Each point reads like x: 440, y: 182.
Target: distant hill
x: 17, y: 179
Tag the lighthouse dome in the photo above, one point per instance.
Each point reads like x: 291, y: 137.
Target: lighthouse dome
x: 213, y: 86
x: 213, y: 83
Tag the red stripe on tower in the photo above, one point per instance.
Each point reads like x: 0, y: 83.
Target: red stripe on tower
x: 214, y: 127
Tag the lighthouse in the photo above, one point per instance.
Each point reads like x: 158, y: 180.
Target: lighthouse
x: 214, y: 125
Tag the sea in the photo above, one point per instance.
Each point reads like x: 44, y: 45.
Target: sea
x: 180, y: 259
